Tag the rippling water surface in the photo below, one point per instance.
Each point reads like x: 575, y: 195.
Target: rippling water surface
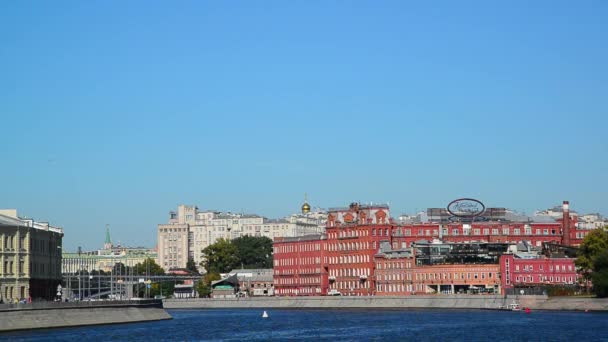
x: 343, y: 325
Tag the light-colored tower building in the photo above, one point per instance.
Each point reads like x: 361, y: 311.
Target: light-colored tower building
x: 30, y: 258
x: 173, y: 246
x: 108, y: 243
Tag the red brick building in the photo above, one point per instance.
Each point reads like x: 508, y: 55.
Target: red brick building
x: 343, y: 260
x: 300, y: 266
x: 563, y: 231
x: 525, y: 271
x: 353, y: 236
x: 399, y: 273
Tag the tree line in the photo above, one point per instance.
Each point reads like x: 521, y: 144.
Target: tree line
x: 592, y: 260
x: 247, y: 252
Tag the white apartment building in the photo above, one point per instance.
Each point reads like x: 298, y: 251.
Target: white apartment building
x: 189, y: 231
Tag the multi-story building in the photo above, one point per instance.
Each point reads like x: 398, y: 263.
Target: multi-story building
x: 437, y: 267
x: 525, y: 269
x: 561, y: 231
x: 73, y: 262
x: 354, y: 235
x: 300, y: 265
x: 104, y: 259
x: 189, y: 231
x: 30, y: 258
x: 173, y: 245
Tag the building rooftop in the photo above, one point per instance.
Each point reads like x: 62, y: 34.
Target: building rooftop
x: 15, y: 221
x: 266, y: 220
x: 311, y: 237
x: 360, y: 207
x: 10, y: 221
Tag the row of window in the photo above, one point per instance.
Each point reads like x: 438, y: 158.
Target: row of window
x: 394, y: 288
x: 349, y: 272
x: 530, y: 268
x: 349, y: 259
x: 303, y: 290
x: 172, y: 230
x: 436, y: 276
x: 10, y: 292
x: 10, y: 242
x: 294, y: 261
x: 291, y: 271
x: 350, y: 246
x: 389, y: 265
x: 303, y: 247
x: 12, y: 268
x: 297, y: 281
x: 446, y: 232
x: 544, y: 279
x: 346, y: 286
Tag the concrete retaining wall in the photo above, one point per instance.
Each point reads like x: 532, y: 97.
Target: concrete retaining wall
x: 442, y: 302
x: 567, y: 303
x: 427, y: 302
x: 58, y: 315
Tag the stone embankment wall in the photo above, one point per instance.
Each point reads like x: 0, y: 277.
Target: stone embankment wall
x: 440, y: 302
x: 57, y: 315
x: 413, y: 302
x: 565, y: 303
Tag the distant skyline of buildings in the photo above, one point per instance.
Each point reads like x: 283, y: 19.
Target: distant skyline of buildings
x: 587, y: 220
x: 104, y: 258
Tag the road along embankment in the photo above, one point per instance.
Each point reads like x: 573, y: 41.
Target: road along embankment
x: 59, y: 315
x: 484, y: 302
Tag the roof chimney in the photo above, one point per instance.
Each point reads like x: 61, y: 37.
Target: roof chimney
x: 566, y: 223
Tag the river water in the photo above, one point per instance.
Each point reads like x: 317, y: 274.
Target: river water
x: 342, y: 325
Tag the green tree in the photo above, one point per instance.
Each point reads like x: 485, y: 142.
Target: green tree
x: 148, y: 267
x: 254, y: 251
x: 203, y: 287
x: 220, y: 257
x: 191, y: 265
x: 599, y: 276
x: 593, y: 244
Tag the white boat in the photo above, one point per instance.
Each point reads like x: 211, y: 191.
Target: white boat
x: 511, y: 307
x: 265, y: 315
x: 514, y: 306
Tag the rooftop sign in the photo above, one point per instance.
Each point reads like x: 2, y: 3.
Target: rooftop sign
x: 466, y: 207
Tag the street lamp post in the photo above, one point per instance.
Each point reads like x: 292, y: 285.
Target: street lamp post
x: 79, y: 276
x: 90, y: 278
x: 112, y: 279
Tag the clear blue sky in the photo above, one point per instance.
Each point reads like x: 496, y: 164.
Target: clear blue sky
x: 115, y: 112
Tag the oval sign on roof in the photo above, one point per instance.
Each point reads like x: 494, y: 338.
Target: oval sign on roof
x: 466, y: 207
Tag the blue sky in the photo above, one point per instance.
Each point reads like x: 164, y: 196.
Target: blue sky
x: 116, y: 112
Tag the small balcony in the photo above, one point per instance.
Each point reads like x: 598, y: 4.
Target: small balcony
x: 363, y: 277
x: 332, y: 278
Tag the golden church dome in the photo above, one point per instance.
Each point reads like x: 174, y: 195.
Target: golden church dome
x: 305, y: 206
